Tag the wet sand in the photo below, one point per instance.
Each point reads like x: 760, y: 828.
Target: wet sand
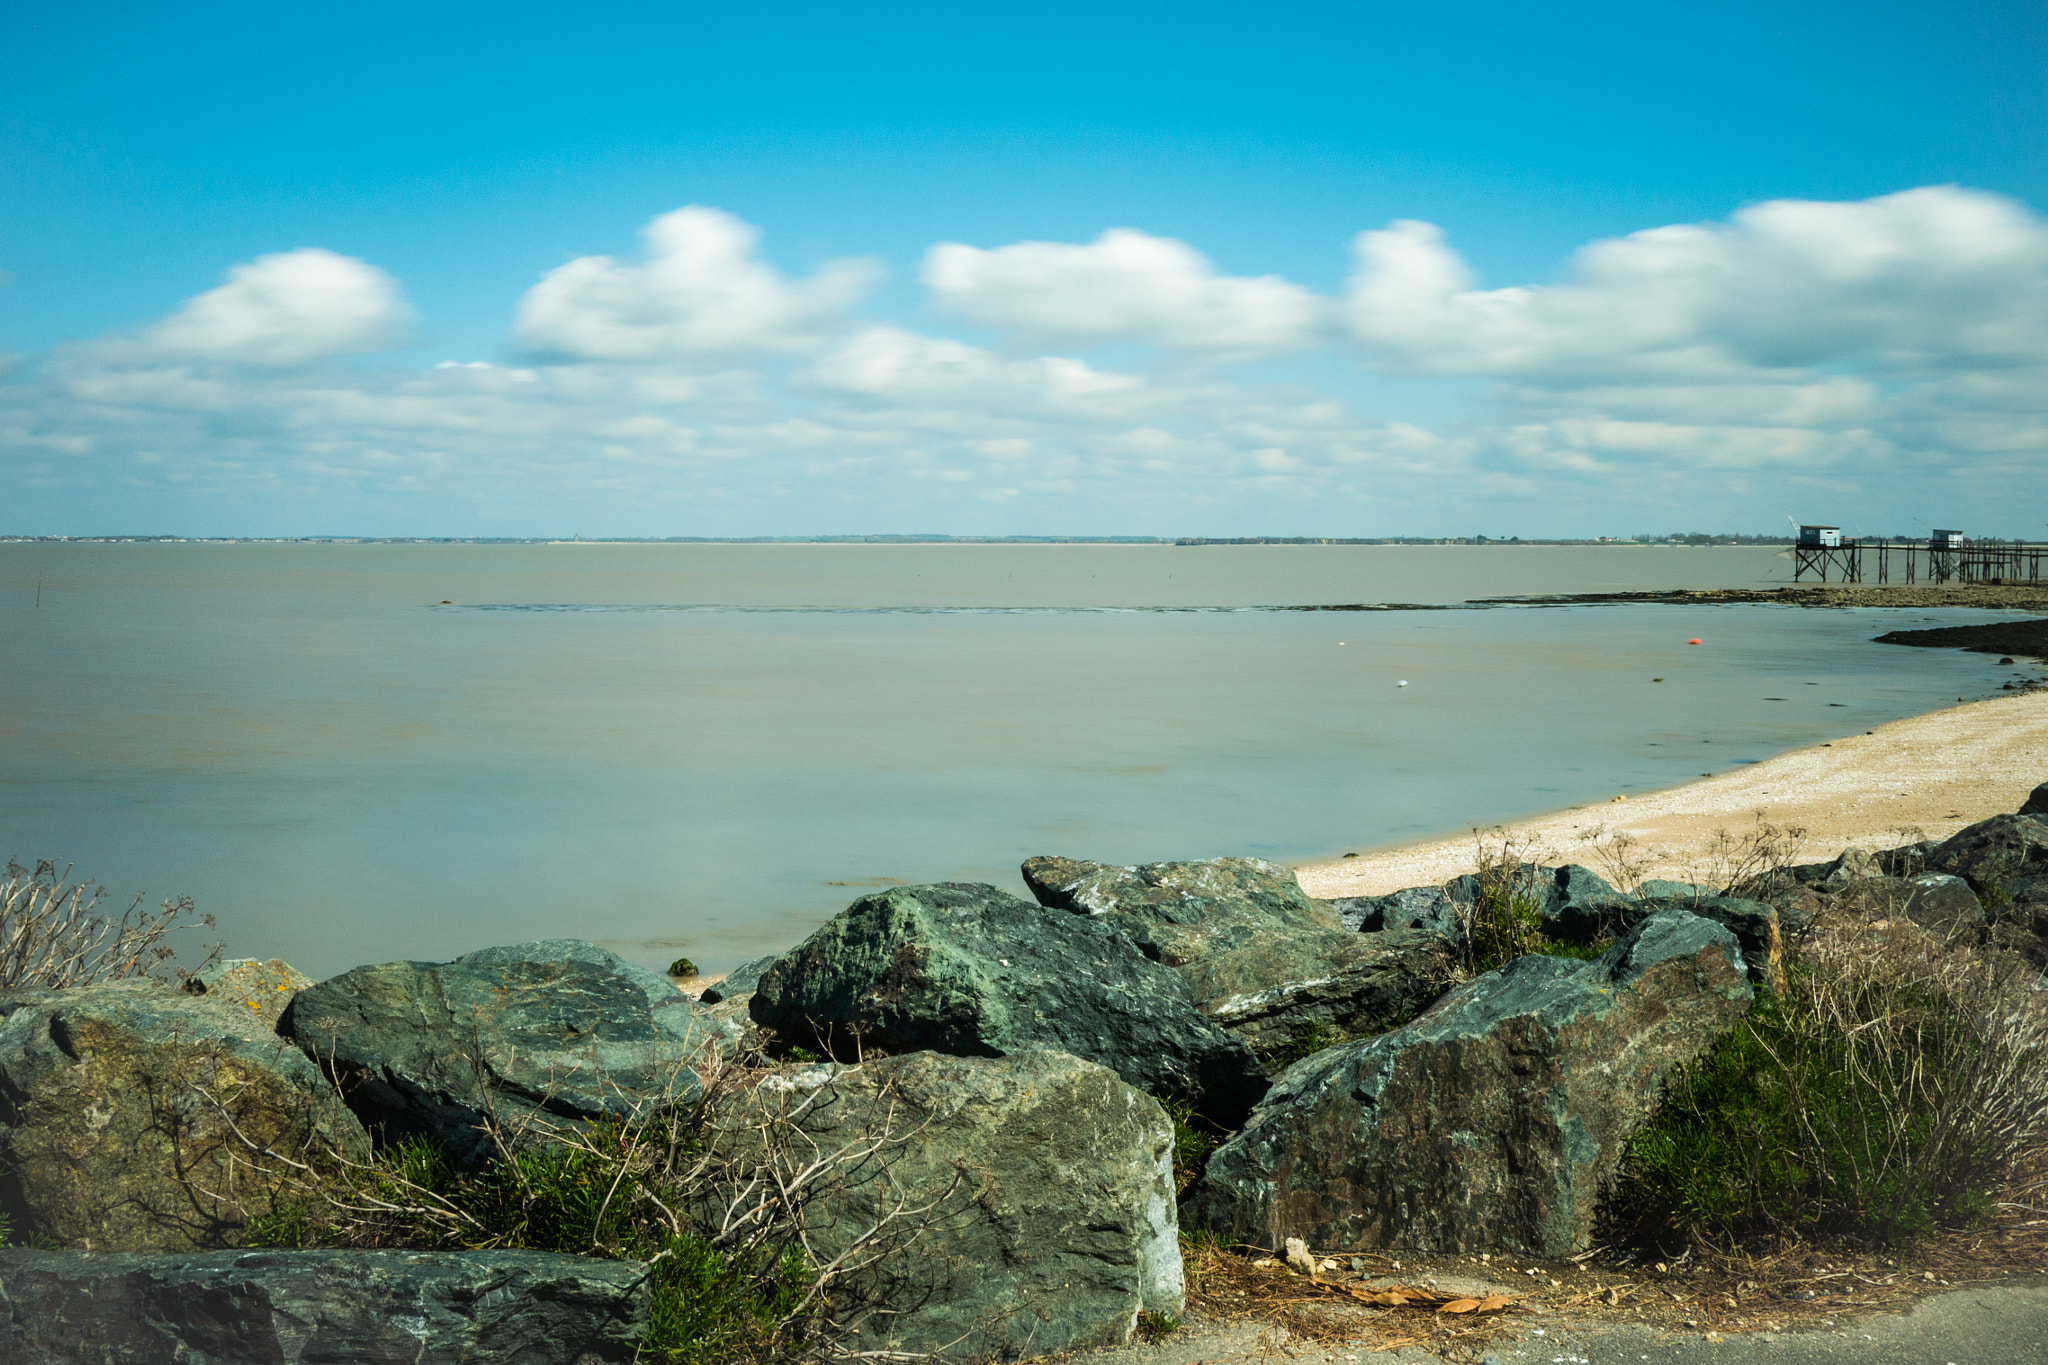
x: 1923, y: 777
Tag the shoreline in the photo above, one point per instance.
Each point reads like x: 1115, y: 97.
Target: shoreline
x: 1925, y: 776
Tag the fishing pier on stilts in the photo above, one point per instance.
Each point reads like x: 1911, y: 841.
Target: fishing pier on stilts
x: 1944, y: 557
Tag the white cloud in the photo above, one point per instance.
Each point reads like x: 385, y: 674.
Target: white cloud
x: 1899, y: 344
x: 281, y: 310
x: 1920, y: 280
x: 703, y: 290
x: 893, y: 364
x: 1123, y: 284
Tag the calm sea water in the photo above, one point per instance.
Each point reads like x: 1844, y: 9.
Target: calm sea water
x: 355, y: 753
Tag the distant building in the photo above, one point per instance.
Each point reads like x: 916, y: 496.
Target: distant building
x: 1945, y: 540
x: 1823, y: 535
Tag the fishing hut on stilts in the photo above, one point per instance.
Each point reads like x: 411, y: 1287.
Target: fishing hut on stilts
x: 1945, y: 557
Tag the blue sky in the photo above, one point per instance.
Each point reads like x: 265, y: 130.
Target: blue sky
x: 1113, y: 269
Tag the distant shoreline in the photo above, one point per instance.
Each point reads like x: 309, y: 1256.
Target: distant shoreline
x: 1747, y: 542
x: 1926, y: 776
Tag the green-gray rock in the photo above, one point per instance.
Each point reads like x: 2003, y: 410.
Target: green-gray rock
x: 1494, y: 1119
x: 1045, y: 1185
x: 264, y: 988
x: 135, y: 1117
x: 1754, y: 924
x: 973, y: 971
x: 1181, y: 912
x: 2001, y: 849
x: 531, y: 1033
x: 331, y: 1306
x: 1262, y: 959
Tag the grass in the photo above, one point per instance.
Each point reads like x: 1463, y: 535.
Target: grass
x: 588, y: 1197
x: 1507, y: 924
x: 1891, y: 1090
x: 1194, y: 1138
x: 1154, y: 1328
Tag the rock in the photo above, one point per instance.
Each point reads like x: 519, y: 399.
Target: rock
x: 119, y: 1110
x: 262, y: 988
x: 1584, y: 907
x: 1871, y: 897
x: 1494, y: 1119
x: 284, y: 1307
x: 1795, y: 900
x: 1659, y: 889
x: 741, y: 980
x: 1262, y: 959
x: 682, y: 967
x: 970, y: 970
x: 1282, y: 986
x: 1046, y: 1185
x: 2021, y: 924
x: 1298, y: 1259
x: 1907, y: 860
x: 1995, y: 850
x: 528, y: 1034
x: 2036, y: 802
x: 1418, y: 907
x: 1850, y: 865
x: 1943, y: 903
x: 1577, y: 903
x: 1933, y: 900
x: 1180, y: 912
x: 1754, y: 924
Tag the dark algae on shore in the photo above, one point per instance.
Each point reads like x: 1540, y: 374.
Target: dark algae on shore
x: 2028, y: 638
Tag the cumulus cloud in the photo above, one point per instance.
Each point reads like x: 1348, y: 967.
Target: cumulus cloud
x: 1123, y: 284
x: 702, y: 290
x: 1901, y: 342
x: 1926, y: 279
x: 901, y: 366
x: 281, y: 310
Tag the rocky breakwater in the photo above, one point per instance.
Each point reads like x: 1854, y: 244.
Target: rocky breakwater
x: 1492, y: 1120
x: 1260, y: 958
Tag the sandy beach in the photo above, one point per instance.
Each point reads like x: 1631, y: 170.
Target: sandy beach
x: 1923, y: 777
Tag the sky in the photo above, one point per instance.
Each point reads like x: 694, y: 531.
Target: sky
x: 1104, y: 269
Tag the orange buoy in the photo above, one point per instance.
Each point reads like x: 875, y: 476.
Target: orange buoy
x: 1695, y: 642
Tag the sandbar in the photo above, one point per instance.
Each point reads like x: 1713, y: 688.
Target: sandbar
x: 1923, y: 777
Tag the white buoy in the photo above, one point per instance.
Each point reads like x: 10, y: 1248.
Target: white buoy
x: 1402, y: 683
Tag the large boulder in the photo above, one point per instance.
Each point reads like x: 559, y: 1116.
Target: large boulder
x: 1274, y: 990
x: 1263, y: 959
x: 302, y: 1307
x: 1180, y: 912
x: 264, y: 988
x: 1754, y: 924
x: 1994, y: 851
x: 533, y: 1034
x: 136, y: 1117
x: 1416, y: 907
x: 973, y: 971
x: 2037, y: 802
x: 1020, y: 1205
x: 1494, y: 1119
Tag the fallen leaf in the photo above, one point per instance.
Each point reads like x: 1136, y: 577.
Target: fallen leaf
x: 1493, y: 1303
x: 1459, y: 1306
